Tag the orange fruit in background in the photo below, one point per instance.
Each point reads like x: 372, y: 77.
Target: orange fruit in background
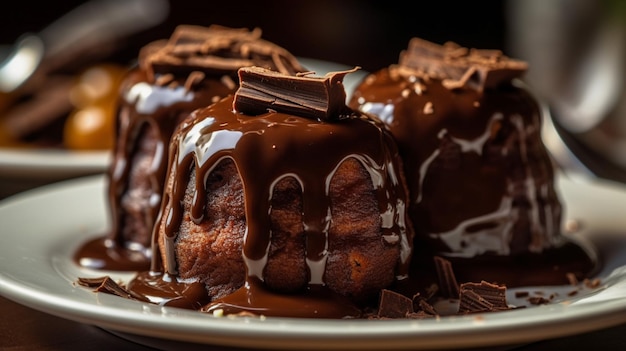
x: 91, y: 126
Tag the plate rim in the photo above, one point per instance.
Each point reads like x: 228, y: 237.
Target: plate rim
x: 192, y: 326
x: 46, y: 163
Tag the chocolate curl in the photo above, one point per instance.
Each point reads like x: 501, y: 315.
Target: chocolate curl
x: 215, y: 50
x: 262, y: 90
x: 458, y: 67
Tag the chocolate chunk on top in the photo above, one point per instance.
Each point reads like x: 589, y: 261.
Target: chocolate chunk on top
x: 459, y: 67
x: 262, y: 90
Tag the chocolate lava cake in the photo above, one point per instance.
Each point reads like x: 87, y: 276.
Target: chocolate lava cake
x: 481, y: 182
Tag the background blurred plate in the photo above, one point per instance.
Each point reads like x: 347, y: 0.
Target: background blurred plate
x: 25, y: 169
x: 51, y: 164
x: 28, y: 168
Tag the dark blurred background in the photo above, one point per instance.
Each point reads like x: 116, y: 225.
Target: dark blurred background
x: 366, y: 33
x: 576, y: 49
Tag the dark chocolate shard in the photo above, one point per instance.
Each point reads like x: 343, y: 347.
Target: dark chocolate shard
x: 492, y: 293
x: 91, y: 282
x: 422, y: 305
x: 471, y: 302
x: 260, y: 90
x: 394, y: 305
x: 107, y: 285
x: 447, y: 280
x: 460, y: 67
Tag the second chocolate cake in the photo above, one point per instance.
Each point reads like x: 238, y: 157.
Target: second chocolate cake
x: 195, y: 67
x: 481, y: 182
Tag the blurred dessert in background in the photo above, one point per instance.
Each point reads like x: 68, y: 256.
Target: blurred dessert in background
x: 71, y: 112
x: 46, y: 77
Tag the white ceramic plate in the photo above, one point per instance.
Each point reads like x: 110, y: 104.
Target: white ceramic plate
x: 40, y: 230
x: 26, y: 169
x: 49, y: 163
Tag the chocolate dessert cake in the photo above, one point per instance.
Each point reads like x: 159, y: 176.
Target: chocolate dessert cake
x: 197, y: 66
x: 481, y: 183
x: 429, y: 194
x: 280, y: 200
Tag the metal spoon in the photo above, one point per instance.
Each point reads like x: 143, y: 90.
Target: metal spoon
x: 82, y: 30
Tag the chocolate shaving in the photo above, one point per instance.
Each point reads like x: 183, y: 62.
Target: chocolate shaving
x: 425, y: 307
x: 193, y: 79
x: 394, y: 305
x: 447, y: 280
x: 492, y: 293
x: 538, y: 300
x: 164, y: 79
x: 592, y: 283
x: 572, y: 293
x: 107, y: 285
x: 458, y: 67
x: 571, y: 278
x: 260, y: 90
x: 471, y: 302
x: 215, y: 50
x: 520, y: 294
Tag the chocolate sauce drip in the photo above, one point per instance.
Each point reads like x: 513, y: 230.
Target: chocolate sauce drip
x: 196, y: 67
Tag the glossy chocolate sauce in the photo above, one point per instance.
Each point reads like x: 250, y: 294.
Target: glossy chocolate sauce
x: 480, y: 193
x: 265, y: 149
x: 197, y: 66
x: 480, y: 179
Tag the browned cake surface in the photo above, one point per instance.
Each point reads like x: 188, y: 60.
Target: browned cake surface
x: 359, y: 262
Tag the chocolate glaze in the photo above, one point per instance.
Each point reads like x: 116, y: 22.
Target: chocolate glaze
x: 480, y: 179
x: 196, y: 67
x: 265, y: 149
